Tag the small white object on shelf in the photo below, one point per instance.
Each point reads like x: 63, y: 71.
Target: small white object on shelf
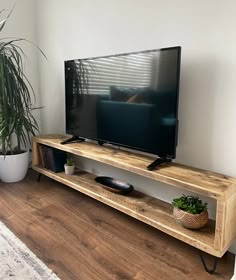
x: 69, y: 167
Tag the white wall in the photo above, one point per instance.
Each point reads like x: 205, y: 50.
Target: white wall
x: 234, y: 276
x: 206, y: 32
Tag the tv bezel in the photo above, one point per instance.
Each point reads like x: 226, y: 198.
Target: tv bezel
x: 102, y: 141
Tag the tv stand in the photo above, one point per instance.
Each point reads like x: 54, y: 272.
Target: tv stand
x: 158, y: 162
x: 215, y: 238
x: 72, y: 139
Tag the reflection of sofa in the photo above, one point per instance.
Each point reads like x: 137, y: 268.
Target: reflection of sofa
x: 133, y: 124
x: 141, y: 118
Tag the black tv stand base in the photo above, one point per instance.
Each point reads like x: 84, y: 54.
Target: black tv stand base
x: 72, y: 139
x: 158, y: 162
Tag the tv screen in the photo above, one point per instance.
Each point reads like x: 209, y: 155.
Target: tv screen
x: 130, y: 99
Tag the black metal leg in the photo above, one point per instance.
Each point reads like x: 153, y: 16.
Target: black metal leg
x: 211, y: 271
x: 39, y: 177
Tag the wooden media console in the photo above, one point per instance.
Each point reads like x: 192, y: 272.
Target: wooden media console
x: 214, y: 239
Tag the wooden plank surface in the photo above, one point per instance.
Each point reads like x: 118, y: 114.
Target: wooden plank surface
x: 229, y: 221
x: 81, y: 238
x: 202, y: 182
x: 145, y: 208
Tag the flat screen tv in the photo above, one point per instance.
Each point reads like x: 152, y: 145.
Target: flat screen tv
x: 130, y: 99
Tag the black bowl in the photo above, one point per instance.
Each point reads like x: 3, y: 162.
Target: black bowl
x: 114, y: 185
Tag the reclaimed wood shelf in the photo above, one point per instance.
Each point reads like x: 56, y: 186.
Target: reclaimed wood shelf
x: 214, y: 239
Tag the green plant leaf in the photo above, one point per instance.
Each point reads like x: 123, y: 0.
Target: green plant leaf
x: 16, y: 94
x: 191, y: 204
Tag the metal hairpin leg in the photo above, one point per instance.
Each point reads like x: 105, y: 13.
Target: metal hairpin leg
x: 39, y: 177
x: 211, y: 271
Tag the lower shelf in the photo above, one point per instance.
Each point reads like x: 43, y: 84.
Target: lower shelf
x: 143, y: 207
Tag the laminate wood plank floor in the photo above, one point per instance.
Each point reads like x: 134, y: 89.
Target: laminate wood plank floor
x: 80, y: 238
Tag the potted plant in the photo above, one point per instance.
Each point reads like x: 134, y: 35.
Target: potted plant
x: 17, y: 123
x: 69, y: 167
x: 190, y: 211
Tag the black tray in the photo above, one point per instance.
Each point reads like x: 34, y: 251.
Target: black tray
x: 114, y: 185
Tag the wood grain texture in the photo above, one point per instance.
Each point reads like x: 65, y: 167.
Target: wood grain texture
x: 35, y: 153
x: 229, y: 222
x: 152, y: 211
x: 199, y: 181
x: 81, y: 238
x: 213, y: 239
x: 220, y: 224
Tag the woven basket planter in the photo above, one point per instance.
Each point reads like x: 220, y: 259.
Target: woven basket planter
x: 191, y: 221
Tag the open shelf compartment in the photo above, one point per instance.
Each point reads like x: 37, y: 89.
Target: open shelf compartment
x: 145, y: 208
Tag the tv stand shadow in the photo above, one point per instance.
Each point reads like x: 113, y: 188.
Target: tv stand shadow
x: 214, y: 239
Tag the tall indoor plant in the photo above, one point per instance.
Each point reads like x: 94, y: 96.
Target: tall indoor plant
x: 17, y: 123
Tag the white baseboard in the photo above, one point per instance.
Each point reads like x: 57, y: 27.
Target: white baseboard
x: 234, y: 276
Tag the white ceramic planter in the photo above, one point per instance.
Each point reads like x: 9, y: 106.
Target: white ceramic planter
x: 69, y: 169
x: 13, y: 168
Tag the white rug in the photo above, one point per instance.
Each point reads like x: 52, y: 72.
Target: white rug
x: 17, y: 262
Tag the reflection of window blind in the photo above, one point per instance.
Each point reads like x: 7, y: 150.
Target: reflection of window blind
x: 129, y: 71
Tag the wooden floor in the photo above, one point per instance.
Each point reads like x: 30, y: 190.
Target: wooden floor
x: 80, y: 238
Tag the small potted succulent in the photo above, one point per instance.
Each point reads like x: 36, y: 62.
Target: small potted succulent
x: 69, y: 167
x: 190, y: 211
